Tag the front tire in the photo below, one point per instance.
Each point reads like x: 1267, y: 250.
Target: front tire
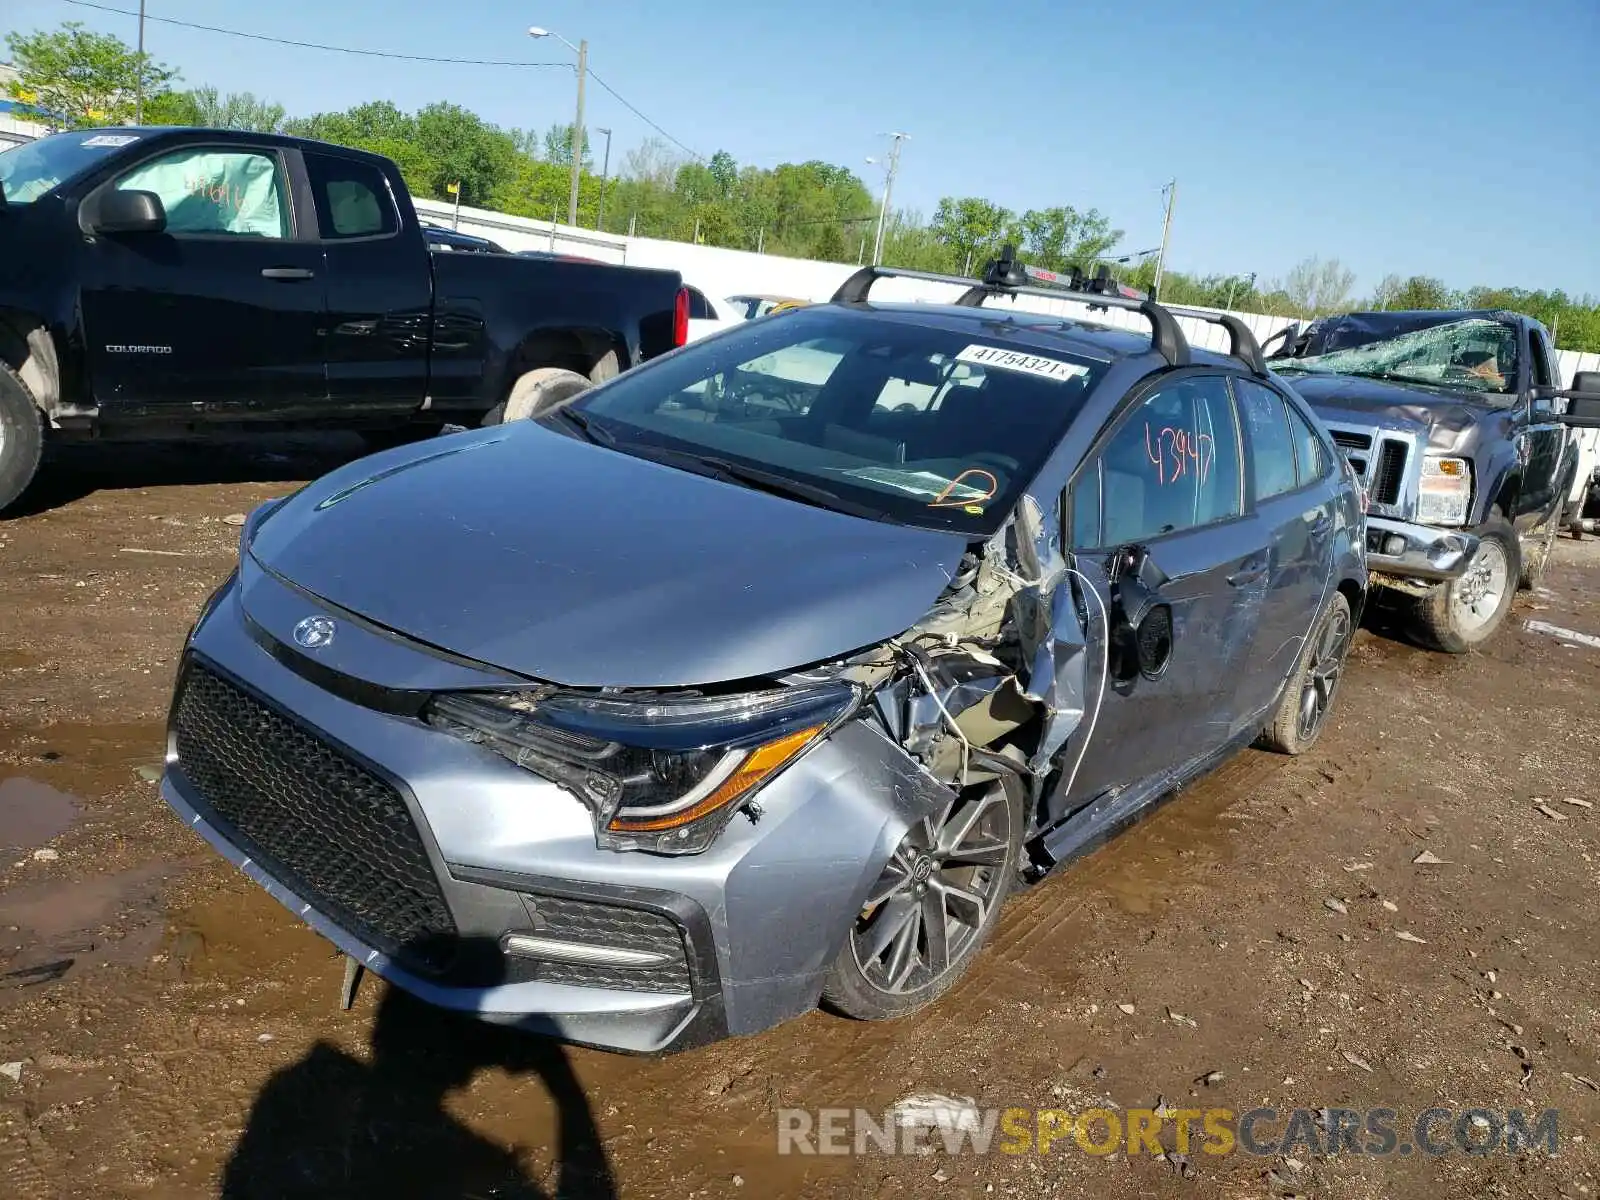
x: 1463, y: 614
x: 1308, y: 695
x: 21, y: 437
x: 932, y: 908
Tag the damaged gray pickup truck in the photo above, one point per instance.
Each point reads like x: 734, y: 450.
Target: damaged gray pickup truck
x: 763, y: 673
x: 1456, y: 423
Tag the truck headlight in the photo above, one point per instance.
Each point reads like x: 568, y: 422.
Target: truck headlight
x: 1445, y: 495
x: 659, y: 772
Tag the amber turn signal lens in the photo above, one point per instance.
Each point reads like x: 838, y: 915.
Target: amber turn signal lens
x: 757, y: 766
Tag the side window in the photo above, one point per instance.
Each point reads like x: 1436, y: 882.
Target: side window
x: 214, y: 191
x: 699, y: 306
x: 1310, y: 456
x: 1271, y: 445
x: 1173, y: 464
x: 352, y: 198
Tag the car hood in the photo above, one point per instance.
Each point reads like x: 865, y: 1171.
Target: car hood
x: 1446, y: 422
x: 572, y: 563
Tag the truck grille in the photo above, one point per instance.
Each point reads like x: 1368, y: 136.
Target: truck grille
x: 606, y: 925
x: 326, y: 827
x: 1380, y: 462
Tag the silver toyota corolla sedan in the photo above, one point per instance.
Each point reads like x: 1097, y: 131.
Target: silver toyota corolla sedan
x: 763, y: 673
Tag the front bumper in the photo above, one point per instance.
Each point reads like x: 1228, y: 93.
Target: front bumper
x: 1418, y: 551
x: 756, y: 919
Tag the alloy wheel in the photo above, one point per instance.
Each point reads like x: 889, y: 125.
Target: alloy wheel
x: 1477, y: 594
x: 928, y: 911
x: 1322, y: 671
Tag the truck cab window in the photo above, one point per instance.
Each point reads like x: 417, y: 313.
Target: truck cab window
x: 214, y: 191
x: 352, y: 198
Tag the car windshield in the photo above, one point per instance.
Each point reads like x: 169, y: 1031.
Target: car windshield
x: 1476, y: 354
x: 30, y: 170
x: 865, y: 413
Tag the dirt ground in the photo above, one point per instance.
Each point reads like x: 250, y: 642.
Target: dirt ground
x: 178, y: 1033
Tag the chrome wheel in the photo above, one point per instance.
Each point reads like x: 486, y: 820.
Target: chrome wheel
x: 1475, y: 597
x: 933, y: 901
x: 1323, y: 668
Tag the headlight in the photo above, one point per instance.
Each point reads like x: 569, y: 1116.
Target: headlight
x: 663, y: 773
x: 1446, y: 492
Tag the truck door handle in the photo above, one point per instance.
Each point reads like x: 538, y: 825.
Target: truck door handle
x: 288, y: 273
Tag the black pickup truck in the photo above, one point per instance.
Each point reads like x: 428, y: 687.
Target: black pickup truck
x: 1457, y: 425
x: 186, y: 282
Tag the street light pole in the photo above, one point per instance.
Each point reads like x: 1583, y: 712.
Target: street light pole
x: 605, y: 172
x: 888, y: 190
x: 138, y: 84
x: 582, y: 51
x: 1166, y: 231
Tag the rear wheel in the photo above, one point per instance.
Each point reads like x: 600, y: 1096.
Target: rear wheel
x: 1308, y: 696
x: 21, y: 437
x: 537, y: 392
x: 932, y: 908
x: 1460, y: 615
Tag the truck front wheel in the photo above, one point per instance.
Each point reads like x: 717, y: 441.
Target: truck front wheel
x: 21, y: 437
x: 1463, y: 614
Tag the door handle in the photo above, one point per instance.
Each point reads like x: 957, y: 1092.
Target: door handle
x: 1248, y: 574
x: 287, y: 273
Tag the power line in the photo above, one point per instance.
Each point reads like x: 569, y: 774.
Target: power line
x: 619, y: 98
x: 261, y: 37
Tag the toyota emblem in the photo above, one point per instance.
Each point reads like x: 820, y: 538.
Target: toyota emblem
x: 314, y: 632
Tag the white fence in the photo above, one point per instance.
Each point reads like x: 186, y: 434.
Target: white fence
x: 719, y: 272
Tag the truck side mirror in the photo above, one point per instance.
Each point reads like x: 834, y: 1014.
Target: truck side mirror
x: 129, y: 212
x: 1583, y: 407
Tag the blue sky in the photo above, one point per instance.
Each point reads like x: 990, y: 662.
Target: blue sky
x: 1455, y: 139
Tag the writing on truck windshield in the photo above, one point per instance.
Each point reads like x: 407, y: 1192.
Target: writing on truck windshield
x: 1476, y: 354
x: 920, y: 426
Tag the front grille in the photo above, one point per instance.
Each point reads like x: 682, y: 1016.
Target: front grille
x: 1352, y: 441
x: 1391, y: 472
x: 605, y: 925
x: 325, y: 826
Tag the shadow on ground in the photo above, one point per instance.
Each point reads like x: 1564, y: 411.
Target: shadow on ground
x: 72, y: 471
x: 336, y: 1128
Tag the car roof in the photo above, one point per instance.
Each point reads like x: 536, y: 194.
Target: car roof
x: 1042, y: 331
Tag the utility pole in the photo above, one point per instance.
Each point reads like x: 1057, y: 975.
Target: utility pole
x: 577, y: 134
x: 138, y: 84
x: 605, y: 171
x: 1166, y: 231
x: 761, y: 240
x: 888, y: 190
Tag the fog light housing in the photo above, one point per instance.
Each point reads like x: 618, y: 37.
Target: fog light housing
x: 1394, y: 545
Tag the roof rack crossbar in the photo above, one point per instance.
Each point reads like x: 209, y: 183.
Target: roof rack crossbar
x: 1005, y: 276
x: 1242, y: 342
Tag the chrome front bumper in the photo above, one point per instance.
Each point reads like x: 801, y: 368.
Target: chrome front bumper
x: 1418, y: 551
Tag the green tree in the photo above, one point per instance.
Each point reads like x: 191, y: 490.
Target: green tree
x: 1054, y: 238
x: 204, y: 107
x: 461, y: 147
x: 1314, y: 287
x: 558, y: 147
x: 82, y: 78
x: 972, y: 227
x: 725, y: 173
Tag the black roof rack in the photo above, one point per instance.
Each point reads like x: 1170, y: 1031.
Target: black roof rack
x: 1242, y: 343
x: 1005, y: 276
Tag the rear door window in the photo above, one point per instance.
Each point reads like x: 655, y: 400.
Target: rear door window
x: 1266, y: 422
x: 1310, y: 456
x: 352, y: 198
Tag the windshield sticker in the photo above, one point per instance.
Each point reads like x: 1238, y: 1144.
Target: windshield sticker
x: 110, y: 139
x: 946, y: 493
x: 1171, y: 450
x: 1028, y: 364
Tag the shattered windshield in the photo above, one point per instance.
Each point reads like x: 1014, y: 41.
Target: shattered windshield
x: 1477, y: 354
x: 869, y: 415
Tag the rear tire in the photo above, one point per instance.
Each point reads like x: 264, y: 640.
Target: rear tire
x: 933, y: 907
x: 1309, y: 694
x: 21, y: 437
x: 1461, y: 615
x: 537, y: 392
